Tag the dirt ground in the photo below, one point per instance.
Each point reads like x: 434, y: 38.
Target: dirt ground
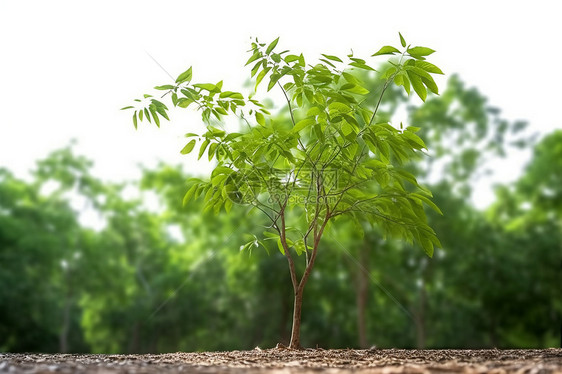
x: 291, y: 361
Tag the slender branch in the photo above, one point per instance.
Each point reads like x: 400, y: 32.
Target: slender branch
x: 288, y: 103
x: 384, y: 89
x: 317, y: 236
x: 352, y: 172
x: 283, y: 238
x: 379, y: 101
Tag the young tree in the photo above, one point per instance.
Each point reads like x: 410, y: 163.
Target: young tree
x: 331, y: 159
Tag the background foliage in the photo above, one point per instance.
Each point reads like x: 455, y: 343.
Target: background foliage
x: 167, y: 278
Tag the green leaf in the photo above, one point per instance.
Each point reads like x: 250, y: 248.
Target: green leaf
x: 314, y: 111
x: 161, y: 109
x: 386, y: 50
x: 361, y: 66
x: 420, y: 51
x: 422, y: 73
x: 260, y: 118
x: 254, y: 57
x: 155, y: 116
x: 402, y: 41
x: 418, y: 85
x: 188, y: 148
x: 407, y: 84
x: 231, y: 95
x: 427, y: 201
x: 202, y: 148
x: 332, y: 58
x: 185, y: 76
x: 427, y: 246
x: 429, y: 67
x: 302, y: 124
x: 189, y: 194
x: 291, y: 58
x: 135, y: 119
x: 318, y: 131
x: 127, y: 107
x: 389, y: 72
x: 260, y: 77
x: 215, y: 131
x: 351, y: 78
x: 416, y: 140
x: 228, y: 205
x: 220, y: 110
x: 357, y: 90
x: 280, y: 246
x: 336, y: 108
x: 165, y: 87
x: 256, y: 68
x: 184, y: 102
x: 430, y: 84
x: 328, y: 62
x: 218, y: 179
x: 212, y: 150
x: 271, y: 46
x: 206, y: 86
x: 347, y: 129
x: 272, y: 80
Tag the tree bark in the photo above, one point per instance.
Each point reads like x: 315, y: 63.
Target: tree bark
x: 297, y: 309
x: 298, y: 287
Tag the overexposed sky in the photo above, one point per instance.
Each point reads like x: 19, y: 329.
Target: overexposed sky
x: 66, y: 67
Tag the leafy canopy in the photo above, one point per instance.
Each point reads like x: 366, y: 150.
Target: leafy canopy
x: 329, y: 159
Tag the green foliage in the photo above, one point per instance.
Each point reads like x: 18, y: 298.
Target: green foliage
x: 332, y: 159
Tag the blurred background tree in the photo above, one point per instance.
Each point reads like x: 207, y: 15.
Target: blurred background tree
x: 152, y: 276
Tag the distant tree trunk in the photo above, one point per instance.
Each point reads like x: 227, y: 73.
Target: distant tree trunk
x: 134, y: 343
x: 493, y: 331
x: 420, y: 318
x: 285, y: 310
x: 362, y: 294
x: 63, y: 338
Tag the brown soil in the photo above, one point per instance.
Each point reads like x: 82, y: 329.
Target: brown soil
x: 291, y: 361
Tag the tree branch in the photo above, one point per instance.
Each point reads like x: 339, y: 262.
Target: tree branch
x: 283, y: 238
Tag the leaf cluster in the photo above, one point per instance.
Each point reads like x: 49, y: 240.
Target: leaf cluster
x: 332, y: 159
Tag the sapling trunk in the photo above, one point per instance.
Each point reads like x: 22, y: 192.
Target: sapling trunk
x: 296, y: 332
x: 298, y: 287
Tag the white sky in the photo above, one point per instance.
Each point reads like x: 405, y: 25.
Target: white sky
x: 66, y: 67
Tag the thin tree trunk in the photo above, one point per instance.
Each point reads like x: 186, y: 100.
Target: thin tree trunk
x: 298, y: 286
x: 297, y: 309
